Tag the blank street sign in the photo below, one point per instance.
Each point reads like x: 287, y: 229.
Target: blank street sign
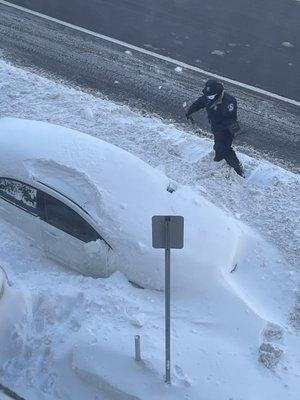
x: 159, y: 231
x: 167, y: 233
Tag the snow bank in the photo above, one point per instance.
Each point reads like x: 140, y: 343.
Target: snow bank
x: 75, y: 339
x: 234, y: 336
x: 272, y: 210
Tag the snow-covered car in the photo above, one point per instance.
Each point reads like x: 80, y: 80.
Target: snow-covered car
x: 88, y: 204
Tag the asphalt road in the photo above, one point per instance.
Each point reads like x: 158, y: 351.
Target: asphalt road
x: 239, y: 39
x: 271, y: 127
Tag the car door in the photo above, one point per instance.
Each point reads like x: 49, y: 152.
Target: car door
x: 67, y: 238
x: 19, y: 206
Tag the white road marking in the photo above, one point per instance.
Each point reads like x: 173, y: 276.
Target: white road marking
x: 155, y: 55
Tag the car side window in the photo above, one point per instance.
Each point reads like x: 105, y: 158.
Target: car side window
x: 19, y: 194
x: 64, y: 218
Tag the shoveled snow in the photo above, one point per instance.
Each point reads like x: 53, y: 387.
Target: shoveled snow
x: 234, y: 336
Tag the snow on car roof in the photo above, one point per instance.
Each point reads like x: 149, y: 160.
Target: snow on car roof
x: 79, y: 166
x: 27, y: 147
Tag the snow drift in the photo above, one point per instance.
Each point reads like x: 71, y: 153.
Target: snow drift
x: 235, y: 334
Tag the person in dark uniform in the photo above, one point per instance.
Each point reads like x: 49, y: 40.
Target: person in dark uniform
x: 221, y: 110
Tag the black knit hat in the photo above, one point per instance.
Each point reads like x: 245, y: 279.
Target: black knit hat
x: 212, y: 87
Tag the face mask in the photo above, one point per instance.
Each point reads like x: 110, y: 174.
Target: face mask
x: 211, y: 97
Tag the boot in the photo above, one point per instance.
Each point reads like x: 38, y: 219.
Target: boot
x: 239, y: 170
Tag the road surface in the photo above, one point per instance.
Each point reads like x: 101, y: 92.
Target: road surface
x: 252, y: 41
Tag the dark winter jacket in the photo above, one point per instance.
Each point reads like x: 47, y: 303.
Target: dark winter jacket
x: 221, y: 112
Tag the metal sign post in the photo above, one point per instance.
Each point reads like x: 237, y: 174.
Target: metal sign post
x: 168, y: 299
x: 167, y: 233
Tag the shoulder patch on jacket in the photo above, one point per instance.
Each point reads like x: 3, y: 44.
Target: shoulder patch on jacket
x: 230, y: 107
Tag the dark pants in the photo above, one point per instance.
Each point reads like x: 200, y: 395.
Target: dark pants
x: 224, y: 151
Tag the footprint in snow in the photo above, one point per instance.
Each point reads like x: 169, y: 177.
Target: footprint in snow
x: 181, y: 376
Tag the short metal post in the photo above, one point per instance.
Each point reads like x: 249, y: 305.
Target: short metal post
x: 137, y: 340
x: 167, y: 301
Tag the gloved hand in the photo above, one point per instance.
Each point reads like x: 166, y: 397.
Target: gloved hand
x: 188, y: 116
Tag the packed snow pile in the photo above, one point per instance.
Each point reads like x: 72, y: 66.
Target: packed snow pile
x: 235, y: 301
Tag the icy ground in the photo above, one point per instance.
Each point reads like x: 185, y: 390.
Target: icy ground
x: 70, y: 337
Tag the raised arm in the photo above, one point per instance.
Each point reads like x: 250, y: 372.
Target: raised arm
x: 196, y: 106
